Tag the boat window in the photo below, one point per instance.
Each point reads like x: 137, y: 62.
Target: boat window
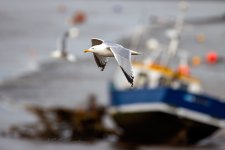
x: 162, y: 81
x: 142, y: 80
x: 183, y: 86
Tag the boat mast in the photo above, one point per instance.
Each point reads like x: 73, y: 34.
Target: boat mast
x: 61, y: 44
x: 61, y: 51
x: 174, y: 39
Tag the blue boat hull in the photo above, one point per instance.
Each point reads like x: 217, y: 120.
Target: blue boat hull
x: 179, y: 98
x: 138, y: 114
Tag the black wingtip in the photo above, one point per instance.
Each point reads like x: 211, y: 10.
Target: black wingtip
x: 100, y: 64
x: 130, y: 79
x: 102, y: 68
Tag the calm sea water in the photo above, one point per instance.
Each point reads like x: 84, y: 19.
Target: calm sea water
x: 29, y: 29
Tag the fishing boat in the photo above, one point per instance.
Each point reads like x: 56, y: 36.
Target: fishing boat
x: 165, y: 105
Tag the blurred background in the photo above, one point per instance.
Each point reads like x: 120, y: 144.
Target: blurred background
x: 33, y: 83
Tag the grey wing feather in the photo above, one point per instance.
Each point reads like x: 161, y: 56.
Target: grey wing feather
x: 123, y: 57
x: 95, y: 41
x: 100, y: 61
x: 111, y: 44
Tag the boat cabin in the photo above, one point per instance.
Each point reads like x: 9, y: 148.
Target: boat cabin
x: 154, y: 75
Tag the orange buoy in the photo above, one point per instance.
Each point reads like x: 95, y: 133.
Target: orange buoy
x: 78, y: 17
x: 195, y: 61
x: 212, y: 57
x: 183, y: 70
x: 200, y: 38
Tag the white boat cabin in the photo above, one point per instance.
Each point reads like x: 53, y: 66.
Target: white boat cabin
x: 153, y: 75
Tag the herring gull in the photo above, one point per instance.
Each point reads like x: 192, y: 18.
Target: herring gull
x: 104, y: 49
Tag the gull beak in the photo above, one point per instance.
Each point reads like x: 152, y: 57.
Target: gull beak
x: 87, y: 50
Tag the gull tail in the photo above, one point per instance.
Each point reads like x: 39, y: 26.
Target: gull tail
x: 134, y: 52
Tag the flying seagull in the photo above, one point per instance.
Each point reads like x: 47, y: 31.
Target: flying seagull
x: 104, y: 49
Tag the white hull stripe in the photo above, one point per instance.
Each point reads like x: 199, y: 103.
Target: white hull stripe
x: 162, y: 107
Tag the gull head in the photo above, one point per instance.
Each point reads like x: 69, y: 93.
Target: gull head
x: 91, y: 49
x: 97, y: 46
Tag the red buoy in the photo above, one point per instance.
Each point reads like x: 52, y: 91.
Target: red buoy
x: 212, y: 57
x: 78, y: 17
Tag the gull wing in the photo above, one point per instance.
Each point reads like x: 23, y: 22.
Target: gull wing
x: 100, y: 61
x: 95, y: 41
x: 123, y: 57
